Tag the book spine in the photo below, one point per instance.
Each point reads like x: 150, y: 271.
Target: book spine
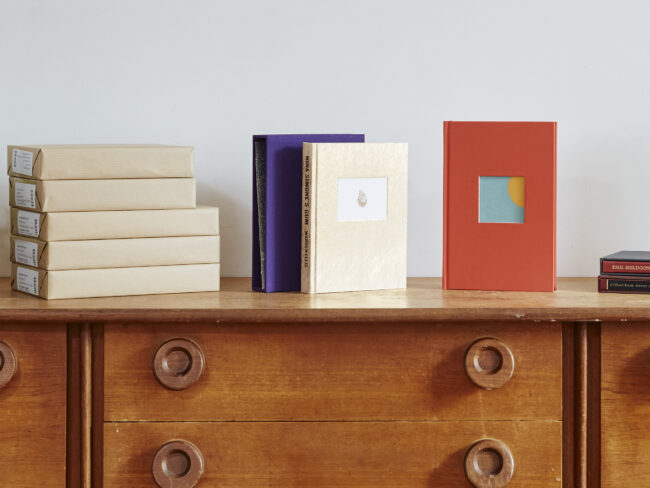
x: 623, y: 285
x: 555, y: 205
x: 308, y: 267
x: 445, y: 210
x: 625, y: 267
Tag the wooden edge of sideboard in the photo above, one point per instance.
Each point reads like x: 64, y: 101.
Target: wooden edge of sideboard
x: 97, y: 430
x: 568, y: 405
x: 593, y: 405
x: 73, y: 407
x: 278, y: 315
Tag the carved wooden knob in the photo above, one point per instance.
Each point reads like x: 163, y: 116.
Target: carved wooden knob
x: 177, y: 464
x: 8, y: 364
x: 178, y: 364
x: 489, y: 363
x: 489, y: 464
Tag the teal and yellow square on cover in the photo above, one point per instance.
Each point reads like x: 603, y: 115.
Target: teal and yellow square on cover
x: 501, y: 199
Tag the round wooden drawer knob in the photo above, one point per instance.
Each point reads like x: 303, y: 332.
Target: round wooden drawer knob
x: 178, y: 364
x: 8, y: 363
x: 177, y: 464
x: 489, y: 363
x: 489, y: 464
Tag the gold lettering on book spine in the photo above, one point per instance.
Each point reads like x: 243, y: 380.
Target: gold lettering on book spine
x: 307, y: 205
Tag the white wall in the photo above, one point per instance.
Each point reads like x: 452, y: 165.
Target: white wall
x: 211, y: 73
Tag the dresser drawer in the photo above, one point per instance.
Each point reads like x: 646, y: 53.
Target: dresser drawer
x: 625, y: 405
x: 315, y: 371
x: 331, y: 454
x: 32, y: 405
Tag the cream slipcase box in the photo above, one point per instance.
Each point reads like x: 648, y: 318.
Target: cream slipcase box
x: 115, y: 194
x: 142, y: 280
x: 120, y: 224
x: 114, y: 253
x: 100, y: 161
x: 109, y: 220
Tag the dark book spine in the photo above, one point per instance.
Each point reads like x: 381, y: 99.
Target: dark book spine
x: 623, y: 285
x: 625, y: 267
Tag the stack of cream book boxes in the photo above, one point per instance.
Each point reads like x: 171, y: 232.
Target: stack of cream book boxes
x: 109, y: 220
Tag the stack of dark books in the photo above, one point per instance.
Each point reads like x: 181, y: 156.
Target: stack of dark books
x: 625, y: 272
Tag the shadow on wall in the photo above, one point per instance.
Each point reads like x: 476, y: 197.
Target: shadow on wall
x: 234, y: 227
x: 597, y: 213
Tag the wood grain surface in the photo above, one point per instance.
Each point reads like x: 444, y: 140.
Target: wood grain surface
x: 333, y: 372
x: 625, y: 405
x: 569, y: 424
x: 334, y: 454
x: 33, y: 408
x: 97, y: 429
x: 73, y: 408
x: 423, y: 300
x: 86, y: 398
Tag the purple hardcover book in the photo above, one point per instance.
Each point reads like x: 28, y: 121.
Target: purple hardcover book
x: 277, y: 207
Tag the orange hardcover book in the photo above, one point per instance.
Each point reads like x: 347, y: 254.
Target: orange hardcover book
x: 499, y: 206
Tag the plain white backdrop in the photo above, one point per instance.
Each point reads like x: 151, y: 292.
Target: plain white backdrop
x: 211, y: 73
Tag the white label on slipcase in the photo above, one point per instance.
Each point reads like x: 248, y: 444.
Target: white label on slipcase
x: 25, y: 195
x: 362, y: 199
x: 22, y: 162
x: 26, y: 252
x: 27, y: 280
x: 29, y: 223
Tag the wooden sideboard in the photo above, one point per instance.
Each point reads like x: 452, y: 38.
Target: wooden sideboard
x: 402, y: 388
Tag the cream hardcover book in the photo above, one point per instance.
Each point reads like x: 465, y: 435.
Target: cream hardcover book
x: 115, y: 224
x: 89, y: 195
x: 99, y: 161
x: 354, y: 216
x: 114, y: 253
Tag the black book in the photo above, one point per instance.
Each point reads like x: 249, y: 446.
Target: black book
x: 626, y: 263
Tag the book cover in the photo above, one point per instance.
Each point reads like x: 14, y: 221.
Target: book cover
x: 100, y: 161
x: 114, y: 282
x: 626, y: 262
x: 89, y: 195
x: 277, y: 207
x: 355, y: 211
x: 499, y: 206
x: 115, y: 224
x: 114, y: 253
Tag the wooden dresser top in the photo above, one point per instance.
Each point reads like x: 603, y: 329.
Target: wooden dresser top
x: 423, y: 300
